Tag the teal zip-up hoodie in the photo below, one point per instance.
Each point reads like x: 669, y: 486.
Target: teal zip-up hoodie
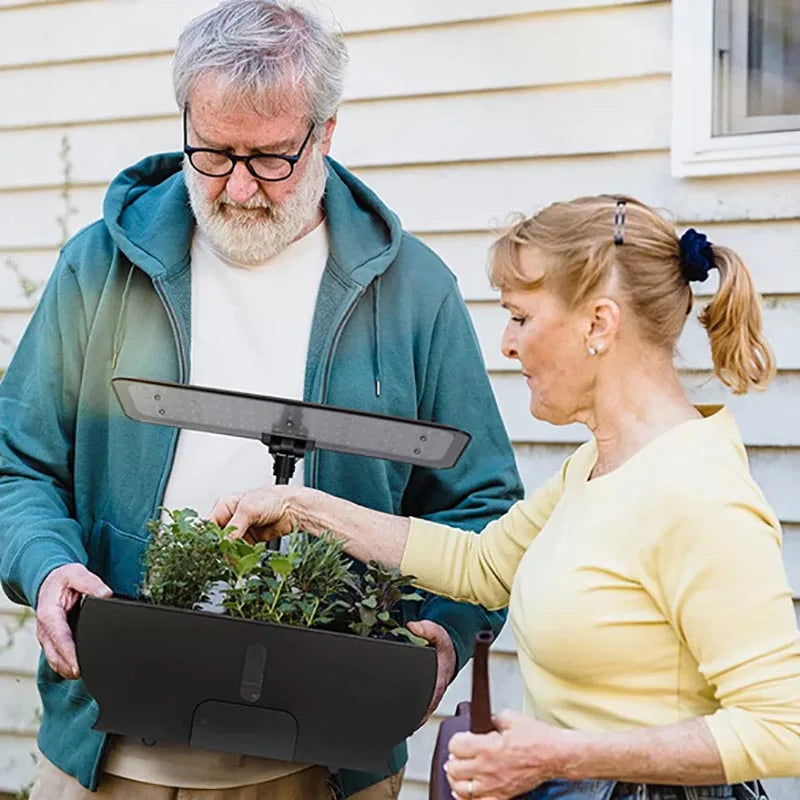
x: 79, y: 480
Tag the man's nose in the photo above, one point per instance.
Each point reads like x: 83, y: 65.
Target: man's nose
x: 241, y: 184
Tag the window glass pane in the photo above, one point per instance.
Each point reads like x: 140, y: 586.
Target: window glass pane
x: 773, y: 57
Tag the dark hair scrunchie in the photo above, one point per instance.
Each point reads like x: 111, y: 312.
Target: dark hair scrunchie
x: 697, y: 256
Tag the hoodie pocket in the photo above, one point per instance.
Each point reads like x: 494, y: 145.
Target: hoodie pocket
x: 117, y: 557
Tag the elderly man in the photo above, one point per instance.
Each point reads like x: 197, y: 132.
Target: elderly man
x: 251, y: 262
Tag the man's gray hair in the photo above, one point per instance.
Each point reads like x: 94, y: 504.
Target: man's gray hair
x: 264, y: 50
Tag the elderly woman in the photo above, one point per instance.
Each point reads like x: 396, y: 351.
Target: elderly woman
x: 656, y: 635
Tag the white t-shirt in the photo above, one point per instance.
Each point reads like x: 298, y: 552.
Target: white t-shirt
x: 250, y: 332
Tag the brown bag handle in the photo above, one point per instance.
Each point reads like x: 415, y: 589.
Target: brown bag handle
x: 475, y: 716
x: 481, y: 706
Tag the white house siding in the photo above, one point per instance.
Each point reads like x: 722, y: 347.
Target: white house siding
x: 456, y: 113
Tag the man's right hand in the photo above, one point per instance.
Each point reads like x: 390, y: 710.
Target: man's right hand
x: 59, y: 592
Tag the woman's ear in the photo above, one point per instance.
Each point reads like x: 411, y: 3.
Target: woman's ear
x: 603, y: 316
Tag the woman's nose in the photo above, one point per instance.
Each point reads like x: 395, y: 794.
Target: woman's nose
x: 508, y: 344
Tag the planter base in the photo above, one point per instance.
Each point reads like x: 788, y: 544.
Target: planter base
x: 205, y: 680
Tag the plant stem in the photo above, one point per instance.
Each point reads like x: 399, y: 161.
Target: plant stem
x: 277, y: 596
x: 310, y: 618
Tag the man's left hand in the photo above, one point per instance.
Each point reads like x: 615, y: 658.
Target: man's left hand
x: 445, y: 658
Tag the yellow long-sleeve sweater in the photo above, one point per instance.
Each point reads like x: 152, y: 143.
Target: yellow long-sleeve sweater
x: 644, y: 597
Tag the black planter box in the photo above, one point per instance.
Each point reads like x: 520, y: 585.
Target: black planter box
x: 206, y: 680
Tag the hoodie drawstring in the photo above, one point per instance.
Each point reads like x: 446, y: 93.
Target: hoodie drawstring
x: 376, y: 327
x: 117, y: 340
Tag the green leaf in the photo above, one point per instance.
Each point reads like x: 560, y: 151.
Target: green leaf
x: 281, y: 565
x: 368, y: 617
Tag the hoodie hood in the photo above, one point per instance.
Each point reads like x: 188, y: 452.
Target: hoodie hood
x: 148, y: 215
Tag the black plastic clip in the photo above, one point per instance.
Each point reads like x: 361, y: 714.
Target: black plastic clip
x: 619, y: 222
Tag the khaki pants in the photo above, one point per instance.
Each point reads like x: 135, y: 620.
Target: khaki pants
x: 308, y: 784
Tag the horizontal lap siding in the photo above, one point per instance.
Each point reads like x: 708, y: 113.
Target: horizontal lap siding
x: 457, y: 114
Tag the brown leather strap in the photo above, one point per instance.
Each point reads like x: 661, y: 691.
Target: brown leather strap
x: 481, y: 707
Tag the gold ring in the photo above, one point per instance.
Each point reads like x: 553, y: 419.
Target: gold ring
x: 471, y: 788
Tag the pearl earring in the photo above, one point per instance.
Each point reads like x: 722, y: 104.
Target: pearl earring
x: 592, y: 351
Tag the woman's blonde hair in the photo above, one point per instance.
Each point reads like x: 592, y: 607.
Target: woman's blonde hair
x: 648, y: 273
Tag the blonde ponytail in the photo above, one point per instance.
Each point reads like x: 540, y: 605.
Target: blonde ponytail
x: 743, y: 359
x: 590, y: 247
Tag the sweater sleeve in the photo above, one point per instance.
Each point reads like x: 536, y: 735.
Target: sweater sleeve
x: 38, y: 396
x: 479, y: 568
x: 726, y: 594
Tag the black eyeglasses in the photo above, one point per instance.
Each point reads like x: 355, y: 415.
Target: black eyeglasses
x: 264, y: 166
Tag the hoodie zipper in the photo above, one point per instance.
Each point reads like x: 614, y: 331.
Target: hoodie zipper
x: 337, y: 332
x: 176, y: 331
x: 182, y: 378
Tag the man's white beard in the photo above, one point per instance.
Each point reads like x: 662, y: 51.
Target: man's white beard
x: 252, y: 237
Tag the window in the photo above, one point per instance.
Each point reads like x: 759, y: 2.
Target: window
x: 757, y: 66
x: 736, y: 86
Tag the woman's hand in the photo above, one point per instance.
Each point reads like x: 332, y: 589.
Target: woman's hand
x: 511, y: 761
x: 274, y: 511
x: 259, y: 515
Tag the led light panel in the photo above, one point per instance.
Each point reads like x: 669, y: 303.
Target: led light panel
x: 272, y: 418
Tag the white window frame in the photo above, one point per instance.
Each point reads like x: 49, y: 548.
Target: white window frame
x: 695, y: 151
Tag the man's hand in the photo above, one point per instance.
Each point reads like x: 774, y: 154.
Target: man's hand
x: 59, y: 592
x: 445, y: 659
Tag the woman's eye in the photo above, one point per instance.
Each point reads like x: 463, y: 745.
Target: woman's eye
x: 519, y: 320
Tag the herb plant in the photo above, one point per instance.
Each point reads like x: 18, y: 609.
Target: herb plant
x: 314, y: 584
x: 376, y: 596
x: 183, y: 560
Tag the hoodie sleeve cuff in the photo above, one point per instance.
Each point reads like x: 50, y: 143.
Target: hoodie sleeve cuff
x: 29, y: 569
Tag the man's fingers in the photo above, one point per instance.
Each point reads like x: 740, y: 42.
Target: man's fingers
x: 426, y: 629
x: 64, y: 584
x: 55, y: 637
x: 65, y: 648
x: 59, y: 592
x: 85, y: 582
x: 57, y: 664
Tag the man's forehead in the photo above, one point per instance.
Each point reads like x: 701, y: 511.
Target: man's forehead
x: 221, y: 93
x: 234, y: 122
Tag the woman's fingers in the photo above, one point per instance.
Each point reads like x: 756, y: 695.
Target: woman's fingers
x: 224, y: 508
x: 461, y: 769
x: 259, y: 515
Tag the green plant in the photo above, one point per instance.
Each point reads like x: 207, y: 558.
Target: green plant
x: 313, y: 584
x: 24, y: 792
x: 301, y: 587
x: 29, y: 287
x: 183, y: 560
x: 376, y: 597
x: 12, y: 631
x: 68, y: 209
